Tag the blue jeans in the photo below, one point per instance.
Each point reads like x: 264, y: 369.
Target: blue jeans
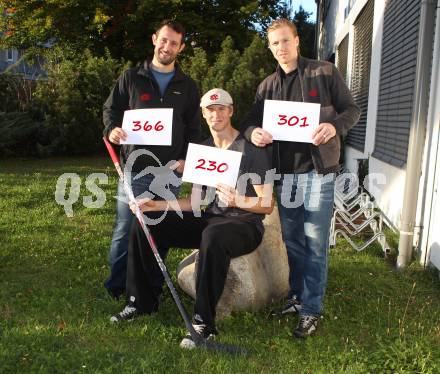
x: 305, y: 204
x: 115, y: 283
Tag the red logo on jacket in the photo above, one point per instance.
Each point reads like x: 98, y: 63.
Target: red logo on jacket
x: 313, y: 92
x: 145, y: 97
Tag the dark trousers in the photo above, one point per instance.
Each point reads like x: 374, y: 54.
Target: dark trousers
x: 218, y: 238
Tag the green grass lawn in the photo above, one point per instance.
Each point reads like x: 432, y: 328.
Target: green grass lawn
x: 54, y: 311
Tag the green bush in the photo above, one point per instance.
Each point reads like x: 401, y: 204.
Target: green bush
x: 19, y: 132
x: 11, y: 93
x: 69, y: 102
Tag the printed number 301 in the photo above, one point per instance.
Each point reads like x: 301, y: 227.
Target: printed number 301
x: 292, y: 121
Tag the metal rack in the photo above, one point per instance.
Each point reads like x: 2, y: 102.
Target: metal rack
x: 356, y: 214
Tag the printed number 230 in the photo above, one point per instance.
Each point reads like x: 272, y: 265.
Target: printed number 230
x: 212, y: 166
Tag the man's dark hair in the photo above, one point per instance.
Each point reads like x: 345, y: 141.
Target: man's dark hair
x: 176, y: 26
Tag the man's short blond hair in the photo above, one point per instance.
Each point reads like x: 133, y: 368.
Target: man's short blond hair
x: 282, y: 22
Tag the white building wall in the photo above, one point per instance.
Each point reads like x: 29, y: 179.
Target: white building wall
x: 373, y: 99
x: 386, y: 182
x: 351, y: 159
x: 428, y: 215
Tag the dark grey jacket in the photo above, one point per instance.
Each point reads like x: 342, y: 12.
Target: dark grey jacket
x: 320, y: 83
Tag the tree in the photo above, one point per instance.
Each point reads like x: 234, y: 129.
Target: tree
x: 237, y: 73
x: 223, y: 67
x: 125, y: 27
x: 253, y: 66
x: 306, y: 32
x: 196, y: 66
x: 33, y: 23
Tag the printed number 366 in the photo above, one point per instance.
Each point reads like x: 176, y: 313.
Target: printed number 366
x: 146, y: 127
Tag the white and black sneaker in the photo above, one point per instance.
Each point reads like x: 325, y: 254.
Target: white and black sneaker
x: 292, y: 306
x: 129, y: 313
x: 206, y: 333
x: 307, y: 326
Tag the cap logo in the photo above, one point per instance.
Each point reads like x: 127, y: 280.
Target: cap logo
x: 214, y: 97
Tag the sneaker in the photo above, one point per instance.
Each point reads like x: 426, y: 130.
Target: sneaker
x: 206, y: 332
x: 292, y: 306
x: 129, y: 313
x: 307, y: 326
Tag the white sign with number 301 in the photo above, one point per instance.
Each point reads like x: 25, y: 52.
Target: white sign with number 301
x: 210, y: 166
x: 292, y: 121
x: 148, y: 126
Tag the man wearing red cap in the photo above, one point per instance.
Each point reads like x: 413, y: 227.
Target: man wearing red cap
x: 229, y: 227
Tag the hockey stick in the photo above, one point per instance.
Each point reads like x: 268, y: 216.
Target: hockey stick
x: 197, y: 339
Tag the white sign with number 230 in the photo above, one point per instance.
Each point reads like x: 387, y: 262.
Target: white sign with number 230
x: 210, y: 166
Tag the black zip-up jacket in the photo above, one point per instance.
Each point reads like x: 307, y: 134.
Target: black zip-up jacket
x: 320, y: 83
x: 137, y: 88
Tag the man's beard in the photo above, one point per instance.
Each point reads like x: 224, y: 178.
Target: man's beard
x: 167, y: 61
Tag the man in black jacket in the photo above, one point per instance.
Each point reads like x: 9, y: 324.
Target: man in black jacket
x: 156, y: 84
x: 307, y: 170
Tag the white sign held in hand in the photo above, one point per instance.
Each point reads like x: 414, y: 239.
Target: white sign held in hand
x: 148, y: 126
x: 209, y: 166
x: 291, y: 120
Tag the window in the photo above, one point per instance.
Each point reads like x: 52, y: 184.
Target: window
x: 341, y: 58
x: 397, y: 76
x: 9, y: 55
x: 360, y: 81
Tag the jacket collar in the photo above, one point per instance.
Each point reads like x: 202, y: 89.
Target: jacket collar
x: 144, y: 69
x: 302, y: 63
x: 300, y: 66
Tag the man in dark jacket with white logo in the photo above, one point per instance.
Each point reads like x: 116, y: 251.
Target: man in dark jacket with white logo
x: 156, y: 84
x: 307, y: 169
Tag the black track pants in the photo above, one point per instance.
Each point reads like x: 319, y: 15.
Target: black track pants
x: 218, y: 238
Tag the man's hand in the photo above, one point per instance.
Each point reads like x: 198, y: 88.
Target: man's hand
x: 145, y: 205
x: 179, y: 166
x: 226, y: 194
x: 116, y: 135
x: 260, y: 137
x: 323, y: 133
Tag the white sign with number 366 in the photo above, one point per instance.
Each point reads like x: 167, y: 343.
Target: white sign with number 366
x: 292, y: 121
x: 148, y: 126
